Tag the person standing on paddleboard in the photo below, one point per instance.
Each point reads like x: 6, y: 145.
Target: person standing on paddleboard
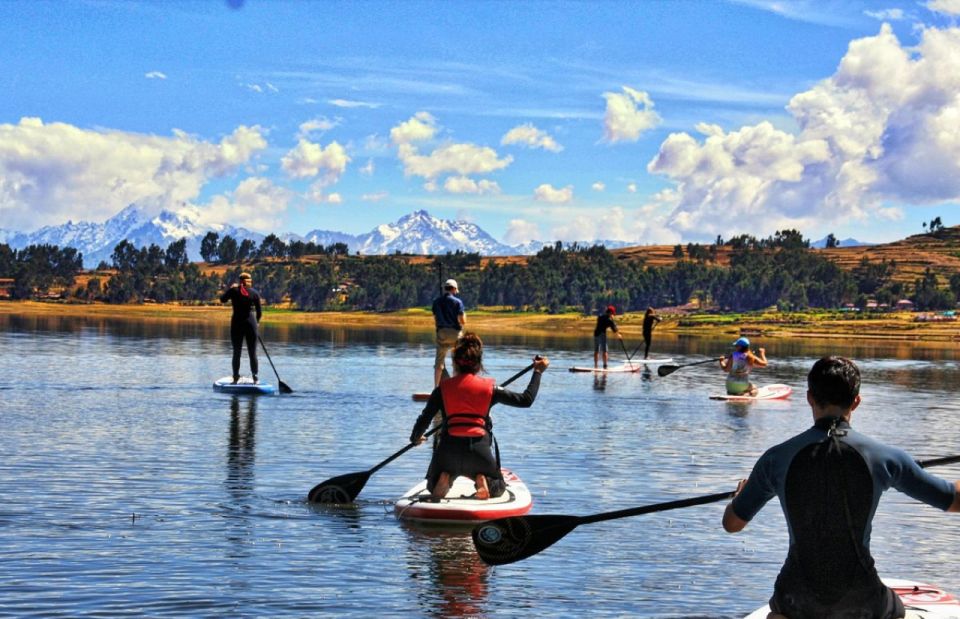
x: 449, y: 319
x: 604, y: 322
x: 466, y: 439
x: 243, y: 323
x: 738, y: 366
x: 829, y: 480
x: 650, y: 320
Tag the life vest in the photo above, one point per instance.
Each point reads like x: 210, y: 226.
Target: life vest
x: 466, y: 403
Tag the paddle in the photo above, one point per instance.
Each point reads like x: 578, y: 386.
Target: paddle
x: 284, y: 387
x: 513, y: 539
x: 345, y: 488
x: 667, y: 370
x: 625, y: 351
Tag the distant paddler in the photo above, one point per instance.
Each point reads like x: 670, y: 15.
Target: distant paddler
x: 449, y: 319
x: 604, y: 322
x: 243, y: 323
x: 466, y: 437
x: 650, y: 320
x: 738, y: 366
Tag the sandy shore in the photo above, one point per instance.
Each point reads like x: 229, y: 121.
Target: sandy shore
x: 896, y: 326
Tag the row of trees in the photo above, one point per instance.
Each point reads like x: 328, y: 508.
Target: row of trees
x: 227, y: 250
x: 779, y: 270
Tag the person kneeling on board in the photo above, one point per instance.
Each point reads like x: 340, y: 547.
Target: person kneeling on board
x: 466, y: 437
x: 738, y: 366
x: 829, y: 480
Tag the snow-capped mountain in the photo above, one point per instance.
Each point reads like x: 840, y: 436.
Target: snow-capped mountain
x: 416, y: 233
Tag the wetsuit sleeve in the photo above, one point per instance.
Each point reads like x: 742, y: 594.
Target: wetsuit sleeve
x: 916, y: 483
x: 613, y: 325
x: 226, y: 295
x: 521, y: 400
x: 256, y: 302
x: 759, y: 489
x: 433, y: 406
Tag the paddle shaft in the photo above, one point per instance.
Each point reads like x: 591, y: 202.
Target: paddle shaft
x: 667, y: 370
x: 283, y: 386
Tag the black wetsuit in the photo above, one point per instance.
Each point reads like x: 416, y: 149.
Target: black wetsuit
x: 829, y: 483
x: 470, y: 456
x: 648, y: 323
x: 243, y: 326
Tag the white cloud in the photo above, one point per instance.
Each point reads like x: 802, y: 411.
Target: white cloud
x: 947, y: 7
x: 155, y: 75
x: 598, y: 186
x: 628, y: 115
x: 531, y: 137
x: 461, y: 159
x: 521, y: 231
x: 317, y: 125
x: 256, y: 203
x: 615, y: 223
x: 318, y: 195
x: 632, y: 187
x: 347, y: 103
x: 374, y: 197
x: 465, y: 184
x: 307, y: 160
x: 53, y: 172
x: 883, y: 128
x: 421, y: 127
x: 253, y: 87
x: 335, y: 198
x: 368, y: 168
x: 547, y: 193
x: 886, y: 14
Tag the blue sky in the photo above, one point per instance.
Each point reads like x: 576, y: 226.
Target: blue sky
x: 653, y: 122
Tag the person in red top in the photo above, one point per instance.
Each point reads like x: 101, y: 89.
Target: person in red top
x: 466, y: 437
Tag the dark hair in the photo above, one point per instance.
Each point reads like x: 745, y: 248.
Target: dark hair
x: 834, y: 380
x: 468, y: 354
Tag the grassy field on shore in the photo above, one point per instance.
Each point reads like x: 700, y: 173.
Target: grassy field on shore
x: 894, y: 326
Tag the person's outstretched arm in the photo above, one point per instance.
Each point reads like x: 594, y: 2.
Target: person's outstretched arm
x: 434, y: 404
x: 525, y: 399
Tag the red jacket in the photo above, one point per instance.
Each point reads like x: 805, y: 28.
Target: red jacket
x: 466, y: 403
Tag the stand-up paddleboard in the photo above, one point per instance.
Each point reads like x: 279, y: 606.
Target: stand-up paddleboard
x: 921, y: 601
x: 243, y: 386
x: 460, y: 505
x: 768, y: 392
x: 633, y: 366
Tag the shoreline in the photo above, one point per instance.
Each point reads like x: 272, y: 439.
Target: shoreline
x: 891, y: 327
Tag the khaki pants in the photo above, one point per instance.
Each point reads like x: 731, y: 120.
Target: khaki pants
x: 446, y: 340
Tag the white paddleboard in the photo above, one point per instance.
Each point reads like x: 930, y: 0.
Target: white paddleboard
x: 460, y: 505
x: 921, y: 601
x: 767, y: 392
x: 243, y: 386
x: 617, y: 369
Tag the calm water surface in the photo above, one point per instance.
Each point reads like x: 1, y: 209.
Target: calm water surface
x: 129, y: 488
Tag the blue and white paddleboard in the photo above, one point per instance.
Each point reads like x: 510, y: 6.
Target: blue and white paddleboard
x: 243, y: 386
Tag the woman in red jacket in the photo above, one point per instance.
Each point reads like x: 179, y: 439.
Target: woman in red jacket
x: 466, y: 437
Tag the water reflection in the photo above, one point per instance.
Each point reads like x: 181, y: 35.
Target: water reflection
x: 239, y: 483
x: 599, y: 381
x: 458, y: 579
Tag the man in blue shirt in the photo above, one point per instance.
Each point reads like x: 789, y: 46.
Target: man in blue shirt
x: 449, y: 319
x: 829, y: 480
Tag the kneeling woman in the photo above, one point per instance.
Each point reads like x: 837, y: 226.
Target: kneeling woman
x: 466, y: 437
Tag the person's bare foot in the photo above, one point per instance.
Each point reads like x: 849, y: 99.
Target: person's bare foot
x: 442, y: 487
x: 483, y: 492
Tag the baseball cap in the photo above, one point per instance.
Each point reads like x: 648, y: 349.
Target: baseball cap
x: 612, y: 309
x: 451, y: 283
x: 742, y: 342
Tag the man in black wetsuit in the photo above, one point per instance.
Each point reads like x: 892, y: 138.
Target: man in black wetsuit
x: 243, y: 324
x: 650, y: 320
x: 829, y: 480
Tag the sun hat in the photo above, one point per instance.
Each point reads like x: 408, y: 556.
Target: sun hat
x: 742, y: 342
x: 451, y: 283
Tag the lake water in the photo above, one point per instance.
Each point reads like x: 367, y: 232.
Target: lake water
x: 129, y: 488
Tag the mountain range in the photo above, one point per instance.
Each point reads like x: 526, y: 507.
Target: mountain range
x: 416, y: 233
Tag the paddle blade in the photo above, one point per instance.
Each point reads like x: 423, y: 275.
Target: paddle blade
x: 667, y: 370
x: 513, y: 539
x: 285, y: 388
x: 342, y: 489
